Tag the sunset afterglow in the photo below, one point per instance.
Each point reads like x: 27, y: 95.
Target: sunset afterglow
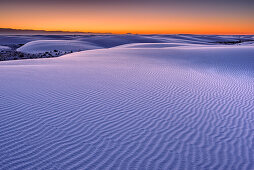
x: 196, y: 17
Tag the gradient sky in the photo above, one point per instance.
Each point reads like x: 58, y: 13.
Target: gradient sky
x: 130, y: 16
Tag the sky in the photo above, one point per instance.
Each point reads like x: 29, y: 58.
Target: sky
x: 130, y: 16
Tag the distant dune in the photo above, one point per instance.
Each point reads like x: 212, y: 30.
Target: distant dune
x: 157, y: 102
x: 4, y: 47
x: 10, y: 31
x: 42, y: 46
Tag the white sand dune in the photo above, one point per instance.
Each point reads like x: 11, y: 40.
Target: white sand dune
x: 152, y: 45
x: 23, y: 39
x: 42, y: 46
x: 12, y: 39
x: 137, y: 106
x: 4, y: 47
x: 108, y: 41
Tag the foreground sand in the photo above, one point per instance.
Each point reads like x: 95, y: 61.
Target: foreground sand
x: 136, y: 106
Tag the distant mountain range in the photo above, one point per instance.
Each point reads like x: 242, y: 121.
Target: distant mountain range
x: 10, y: 31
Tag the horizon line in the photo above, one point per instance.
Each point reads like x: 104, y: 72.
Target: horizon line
x: 11, y: 31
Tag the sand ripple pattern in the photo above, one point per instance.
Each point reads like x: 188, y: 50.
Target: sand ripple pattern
x: 125, y: 109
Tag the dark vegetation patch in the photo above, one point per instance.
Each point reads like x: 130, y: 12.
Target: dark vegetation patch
x: 15, y: 55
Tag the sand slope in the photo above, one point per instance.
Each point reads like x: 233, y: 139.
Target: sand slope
x: 42, y: 46
x: 4, y: 47
x: 139, y: 106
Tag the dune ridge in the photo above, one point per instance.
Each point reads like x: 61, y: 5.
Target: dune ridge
x: 42, y: 46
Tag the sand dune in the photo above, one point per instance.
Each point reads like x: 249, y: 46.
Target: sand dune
x: 4, y: 47
x: 135, y: 106
x: 152, y: 45
x: 108, y: 41
x: 42, y: 46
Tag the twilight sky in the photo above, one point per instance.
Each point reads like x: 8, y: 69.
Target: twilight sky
x: 134, y: 16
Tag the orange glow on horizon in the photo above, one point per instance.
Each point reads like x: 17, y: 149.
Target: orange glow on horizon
x: 106, y: 20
